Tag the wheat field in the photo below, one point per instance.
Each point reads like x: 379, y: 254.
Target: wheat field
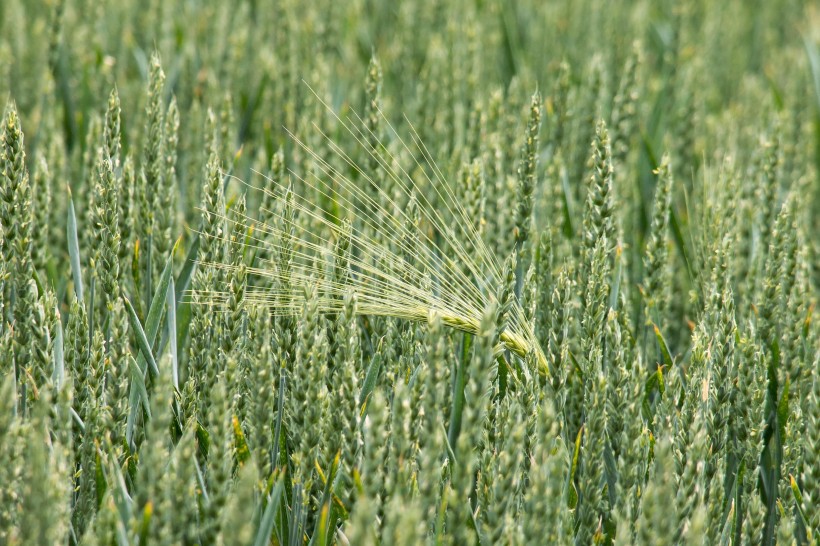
x: 445, y: 272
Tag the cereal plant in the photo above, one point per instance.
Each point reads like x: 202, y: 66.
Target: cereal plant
x: 447, y: 272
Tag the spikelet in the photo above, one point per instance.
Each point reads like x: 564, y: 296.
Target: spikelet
x: 452, y: 274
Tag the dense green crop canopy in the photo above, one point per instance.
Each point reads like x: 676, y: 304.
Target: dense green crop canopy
x: 445, y: 272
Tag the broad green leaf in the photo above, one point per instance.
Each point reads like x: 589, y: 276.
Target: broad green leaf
x: 807, y: 322
x: 297, y: 520
x: 59, y: 357
x: 667, y: 357
x: 142, y: 340
x: 680, y: 242
x: 798, y: 497
x: 783, y: 409
x: 157, y: 302
x: 100, y: 481
x: 269, y: 515
x: 118, y: 489
x: 136, y: 275
x: 77, y: 419
x: 74, y: 249
x: 319, y: 537
x: 369, y: 382
x: 616, y: 280
x: 277, y: 428
x: 184, y: 278
x: 450, y: 451
x: 91, y: 305
x: 458, y: 388
x: 323, y: 523
x: 569, y: 207
x: 813, y: 53
x: 171, y: 306
x: 727, y: 526
x: 138, y: 383
x: 572, y: 497
x: 649, y: 149
x: 610, y: 473
x: 150, y: 333
x: 183, y: 320
x: 203, y: 439
x: 442, y: 517
x: 144, y: 523
x: 241, y: 445
x: 653, y: 382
